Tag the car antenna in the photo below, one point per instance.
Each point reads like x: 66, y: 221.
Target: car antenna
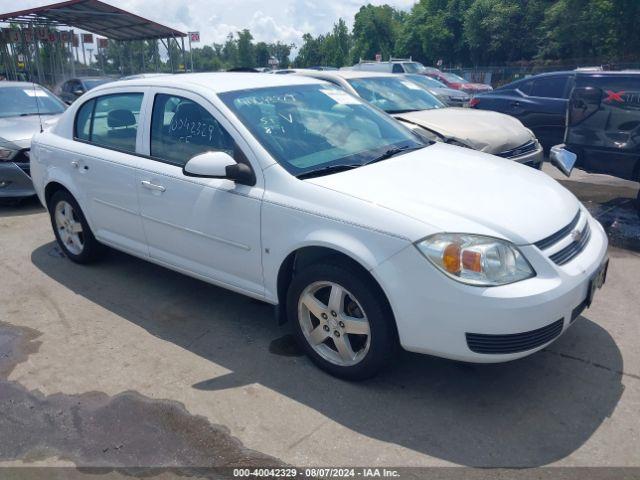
x: 35, y: 97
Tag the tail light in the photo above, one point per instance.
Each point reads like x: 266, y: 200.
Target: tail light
x: 474, y: 102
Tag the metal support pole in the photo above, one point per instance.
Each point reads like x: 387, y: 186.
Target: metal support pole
x: 184, y: 55
x: 84, y: 55
x: 191, y: 53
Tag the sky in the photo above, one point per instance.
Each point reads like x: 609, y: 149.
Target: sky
x: 268, y: 20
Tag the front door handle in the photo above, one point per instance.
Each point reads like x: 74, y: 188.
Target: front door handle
x: 152, y: 186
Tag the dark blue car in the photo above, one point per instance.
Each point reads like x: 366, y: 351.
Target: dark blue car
x: 539, y: 102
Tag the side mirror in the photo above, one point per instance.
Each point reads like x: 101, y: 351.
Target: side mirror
x: 563, y: 159
x: 219, y: 165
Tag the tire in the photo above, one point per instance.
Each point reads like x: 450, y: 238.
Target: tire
x: 321, y: 334
x: 80, y: 246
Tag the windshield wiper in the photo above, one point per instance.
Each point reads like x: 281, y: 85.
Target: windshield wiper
x: 328, y: 170
x: 392, y: 152
x: 406, y: 110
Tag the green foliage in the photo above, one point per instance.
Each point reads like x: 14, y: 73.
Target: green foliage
x: 460, y: 32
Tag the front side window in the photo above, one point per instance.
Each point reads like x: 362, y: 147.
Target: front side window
x: 395, y: 95
x: 311, y: 128
x: 182, y: 129
x: 549, y: 87
x: 110, y: 121
x: 397, y: 68
x: 28, y: 100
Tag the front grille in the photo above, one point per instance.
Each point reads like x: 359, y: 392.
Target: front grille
x: 574, y: 248
x: 559, y: 235
x: 528, y: 147
x: 22, y: 160
x: 514, y: 342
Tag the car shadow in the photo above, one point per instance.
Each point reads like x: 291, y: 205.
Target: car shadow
x: 525, y: 413
x: 16, y: 208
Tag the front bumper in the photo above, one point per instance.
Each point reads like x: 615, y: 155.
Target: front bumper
x: 435, y: 314
x: 15, y: 181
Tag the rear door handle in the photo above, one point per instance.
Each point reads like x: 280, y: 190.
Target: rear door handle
x: 152, y: 186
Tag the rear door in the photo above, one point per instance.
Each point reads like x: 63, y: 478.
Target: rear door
x: 103, y: 164
x: 542, y: 106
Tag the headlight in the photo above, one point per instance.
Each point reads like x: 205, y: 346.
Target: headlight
x: 5, y: 154
x: 476, y: 259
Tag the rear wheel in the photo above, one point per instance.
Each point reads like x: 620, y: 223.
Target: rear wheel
x: 72, y: 230
x: 341, y: 320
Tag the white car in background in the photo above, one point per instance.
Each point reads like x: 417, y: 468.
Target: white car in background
x: 410, y: 102
x: 292, y: 191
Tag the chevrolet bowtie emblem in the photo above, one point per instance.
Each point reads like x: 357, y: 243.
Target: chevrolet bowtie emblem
x: 576, y: 235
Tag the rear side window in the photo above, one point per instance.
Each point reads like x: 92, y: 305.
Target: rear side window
x: 182, y: 129
x: 397, y: 68
x: 549, y: 87
x: 83, y: 121
x: 110, y: 121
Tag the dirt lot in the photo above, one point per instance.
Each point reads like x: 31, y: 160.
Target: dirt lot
x: 124, y: 363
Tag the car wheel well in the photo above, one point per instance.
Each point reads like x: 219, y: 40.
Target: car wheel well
x: 306, y: 256
x: 51, y: 189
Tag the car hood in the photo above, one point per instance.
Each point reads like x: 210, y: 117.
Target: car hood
x: 19, y: 130
x: 449, y: 92
x: 454, y: 189
x: 489, y: 132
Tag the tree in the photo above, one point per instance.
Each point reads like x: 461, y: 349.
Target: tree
x: 375, y: 30
x: 262, y: 54
x: 246, y: 50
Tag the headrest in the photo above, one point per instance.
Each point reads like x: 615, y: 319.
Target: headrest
x: 120, y: 118
x: 189, y: 111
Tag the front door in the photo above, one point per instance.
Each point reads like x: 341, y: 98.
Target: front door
x: 204, y: 226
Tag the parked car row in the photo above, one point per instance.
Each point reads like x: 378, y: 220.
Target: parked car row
x: 365, y: 234
x: 592, y: 113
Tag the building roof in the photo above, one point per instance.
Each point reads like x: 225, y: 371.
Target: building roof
x: 93, y: 16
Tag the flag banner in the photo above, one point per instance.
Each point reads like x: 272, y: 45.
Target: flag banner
x: 87, y: 38
x: 43, y: 34
x: 194, y: 37
x: 103, y: 42
x: 76, y: 40
x: 65, y: 37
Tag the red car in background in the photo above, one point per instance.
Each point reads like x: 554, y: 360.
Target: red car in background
x: 456, y: 82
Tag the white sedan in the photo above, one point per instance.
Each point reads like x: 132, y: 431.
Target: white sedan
x: 292, y: 191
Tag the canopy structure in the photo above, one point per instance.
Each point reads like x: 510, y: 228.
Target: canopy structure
x: 96, y: 17
x: 36, y: 47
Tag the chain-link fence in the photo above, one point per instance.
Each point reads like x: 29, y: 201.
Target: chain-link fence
x: 498, y: 76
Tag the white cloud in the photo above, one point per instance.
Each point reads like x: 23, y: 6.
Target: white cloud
x: 284, y: 20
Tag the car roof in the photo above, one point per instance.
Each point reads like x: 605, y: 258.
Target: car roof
x: 346, y: 74
x: 216, y: 82
x: 18, y: 84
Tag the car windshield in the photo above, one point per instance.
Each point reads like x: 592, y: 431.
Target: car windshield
x: 426, y: 82
x: 413, y: 67
x: 316, y: 128
x: 452, y: 77
x: 96, y: 82
x: 395, y: 94
x: 28, y: 100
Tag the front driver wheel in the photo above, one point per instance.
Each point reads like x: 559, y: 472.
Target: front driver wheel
x: 72, y: 230
x: 341, y: 320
